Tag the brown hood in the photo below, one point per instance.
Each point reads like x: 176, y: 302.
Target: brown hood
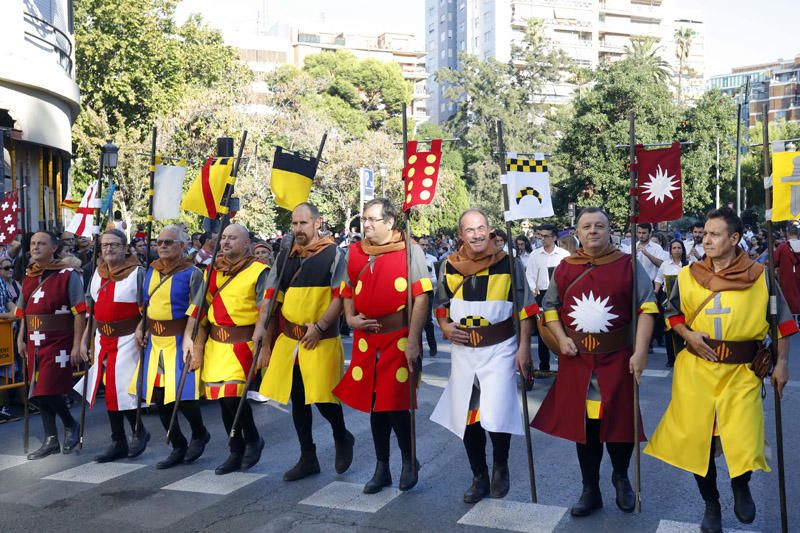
x: 739, y: 275
x: 312, y: 249
x: 119, y: 272
x: 166, y: 268
x: 225, y: 266
x: 396, y: 243
x: 468, y: 265
x: 608, y: 255
x: 35, y: 270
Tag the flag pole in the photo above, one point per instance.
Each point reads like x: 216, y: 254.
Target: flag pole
x: 140, y: 374
x: 773, y: 319
x: 412, y: 378
x: 634, y: 208
x: 224, y: 221
x: 526, y: 421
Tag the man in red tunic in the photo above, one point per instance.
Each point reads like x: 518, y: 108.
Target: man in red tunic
x: 51, y: 301
x: 787, y: 261
x: 384, y: 346
x: 588, y: 309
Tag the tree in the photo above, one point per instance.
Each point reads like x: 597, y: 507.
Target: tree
x: 683, y: 47
x: 645, y: 53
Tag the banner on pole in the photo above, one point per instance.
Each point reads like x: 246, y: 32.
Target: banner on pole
x: 291, y: 178
x: 785, y: 186
x: 204, y: 196
x: 167, y: 186
x: 527, y: 184
x: 659, y: 183
x: 83, y: 223
x: 421, y: 173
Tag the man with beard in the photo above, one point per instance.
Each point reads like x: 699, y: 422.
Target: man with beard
x: 52, y: 305
x: 475, y: 311
x: 307, y: 360
x: 694, y: 244
x: 224, y: 345
x: 385, y: 346
x: 116, y: 290
x: 170, y: 286
x: 719, y: 305
x: 588, y: 309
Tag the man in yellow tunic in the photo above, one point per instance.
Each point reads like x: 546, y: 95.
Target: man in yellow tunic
x: 719, y: 307
x: 225, y: 349
x: 307, y: 359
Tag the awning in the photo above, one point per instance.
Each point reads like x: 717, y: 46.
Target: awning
x: 42, y: 118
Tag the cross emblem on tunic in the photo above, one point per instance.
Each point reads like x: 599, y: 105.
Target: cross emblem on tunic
x: 63, y: 310
x: 718, y: 310
x: 62, y: 358
x: 38, y: 295
x: 37, y: 338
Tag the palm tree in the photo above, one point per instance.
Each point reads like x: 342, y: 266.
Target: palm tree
x: 683, y: 47
x: 645, y: 52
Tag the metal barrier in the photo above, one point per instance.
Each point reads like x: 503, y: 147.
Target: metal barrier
x: 45, y: 33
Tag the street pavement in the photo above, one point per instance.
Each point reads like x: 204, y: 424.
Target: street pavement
x: 71, y: 492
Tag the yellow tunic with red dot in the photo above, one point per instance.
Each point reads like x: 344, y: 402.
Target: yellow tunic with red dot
x: 377, y: 285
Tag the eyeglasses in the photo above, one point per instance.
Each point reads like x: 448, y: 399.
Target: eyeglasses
x: 9, y: 267
x: 165, y: 242
x: 111, y: 245
x: 373, y: 220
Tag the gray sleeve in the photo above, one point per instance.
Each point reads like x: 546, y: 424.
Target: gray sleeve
x: 419, y: 268
x: 672, y: 305
x: 784, y: 312
x: 524, y: 294
x: 644, y: 287
x: 75, y: 289
x: 195, y: 288
x: 442, y: 292
x: 551, y: 300
x: 21, y: 300
x: 338, y: 269
x: 261, y: 286
x: 140, y: 272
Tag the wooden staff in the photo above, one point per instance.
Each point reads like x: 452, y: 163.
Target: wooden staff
x: 526, y: 421
x: 773, y: 321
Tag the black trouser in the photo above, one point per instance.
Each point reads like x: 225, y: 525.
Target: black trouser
x: 247, y: 431
x: 430, y: 332
x: 303, y: 417
x: 382, y: 424
x: 590, y: 455
x: 475, y: 444
x: 117, y: 419
x: 49, y: 407
x: 708, y: 483
x: 189, y: 408
x: 669, y: 337
x: 544, y: 351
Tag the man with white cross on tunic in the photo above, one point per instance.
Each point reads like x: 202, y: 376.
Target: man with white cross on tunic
x: 52, y: 305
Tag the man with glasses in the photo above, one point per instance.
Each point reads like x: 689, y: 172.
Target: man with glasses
x: 385, y: 347
x: 170, y: 286
x: 541, y: 265
x: 116, y: 290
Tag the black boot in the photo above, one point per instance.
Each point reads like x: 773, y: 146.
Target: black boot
x: 743, y: 505
x: 48, y: 447
x: 712, y: 518
x: 306, y: 466
x: 139, y: 442
x: 500, y: 480
x: 117, y: 450
x: 381, y: 478
x: 626, y: 499
x: 409, y: 475
x: 232, y: 464
x: 591, y: 499
x: 71, y: 438
x: 175, y: 457
x: 252, y: 453
x: 479, y: 488
x: 196, y: 448
x: 344, y: 454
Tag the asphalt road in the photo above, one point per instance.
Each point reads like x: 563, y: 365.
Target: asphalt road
x: 71, y: 492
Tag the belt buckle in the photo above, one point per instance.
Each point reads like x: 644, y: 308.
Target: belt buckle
x: 159, y: 327
x: 35, y: 322
x: 223, y: 334
x: 475, y: 338
x: 590, y: 342
x: 106, y: 329
x: 297, y: 331
x: 723, y: 351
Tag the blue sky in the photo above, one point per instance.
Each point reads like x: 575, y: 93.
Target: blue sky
x: 737, y: 33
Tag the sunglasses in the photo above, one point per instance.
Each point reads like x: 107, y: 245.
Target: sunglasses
x: 165, y: 242
x: 9, y: 267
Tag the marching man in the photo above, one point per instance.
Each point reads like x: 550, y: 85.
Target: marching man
x: 475, y: 311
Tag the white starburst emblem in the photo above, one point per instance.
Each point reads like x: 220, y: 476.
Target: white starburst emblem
x: 590, y: 314
x: 660, y: 186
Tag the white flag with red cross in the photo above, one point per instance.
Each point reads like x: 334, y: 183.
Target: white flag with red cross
x: 83, y: 223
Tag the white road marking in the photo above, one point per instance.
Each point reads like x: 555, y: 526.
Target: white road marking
x: 10, y: 461
x: 95, y: 472
x: 514, y: 516
x: 668, y: 526
x: 207, y: 482
x: 350, y: 497
x: 649, y: 373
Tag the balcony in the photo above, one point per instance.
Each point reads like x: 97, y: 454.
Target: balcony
x: 43, y: 35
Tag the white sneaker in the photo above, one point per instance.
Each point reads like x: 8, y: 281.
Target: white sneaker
x: 256, y: 396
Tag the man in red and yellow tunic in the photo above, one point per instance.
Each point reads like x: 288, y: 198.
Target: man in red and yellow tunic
x: 52, y: 304
x: 719, y: 307
x: 224, y: 344
x: 384, y: 346
x: 588, y: 308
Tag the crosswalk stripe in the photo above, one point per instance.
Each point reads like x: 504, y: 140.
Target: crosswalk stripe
x: 95, y: 472
x: 207, y: 482
x: 10, y: 461
x: 651, y: 373
x: 514, y: 516
x: 669, y: 526
x: 350, y: 497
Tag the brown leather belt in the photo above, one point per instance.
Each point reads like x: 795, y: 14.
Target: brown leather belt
x: 232, y: 335
x: 731, y: 352
x: 598, y: 343
x: 392, y: 322
x: 118, y: 328
x: 481, y: 336
x: 297, y: 332
x: 166, y: 328
x: 60, y: 322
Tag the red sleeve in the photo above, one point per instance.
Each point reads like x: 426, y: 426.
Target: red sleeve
x: 787, y: 328
x: 675, y: 320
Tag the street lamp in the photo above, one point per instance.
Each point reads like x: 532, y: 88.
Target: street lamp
x: 382, y: 171
x: 110, y: 153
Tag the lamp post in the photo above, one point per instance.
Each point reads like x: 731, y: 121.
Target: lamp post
x: 110, y: 154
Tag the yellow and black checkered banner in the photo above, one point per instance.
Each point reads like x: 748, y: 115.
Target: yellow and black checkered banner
x: 527, y: 182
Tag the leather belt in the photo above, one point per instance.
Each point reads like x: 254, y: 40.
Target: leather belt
x: 393, y: 322
x: 598, y: 343
x: 118, y: 328
x: 297, y: 331
x: 232, y: 334
x: 59, y: 322
x: 166, y: 328
x: 732, y: 352
x: 482, y: 336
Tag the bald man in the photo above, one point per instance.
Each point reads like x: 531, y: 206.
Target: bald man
x: 224, y: 347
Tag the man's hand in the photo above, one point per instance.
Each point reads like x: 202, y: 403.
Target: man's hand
x: 139, y: 336
x: 696, y: 341
x: 311, y: 338
x: 637, y: 364
x: 263, y: 357
x: 83, y: 352
x: 197, y: 354
x: 359, y: 321
x: 22, y: 348
x: 412, y: 353
x: 187, y: 348
x: 567, y: 346
x: 76, y: 356
x: 455, y: 334
x: 524, y: 361
x: 258, y: 335
x: 780, y: 375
